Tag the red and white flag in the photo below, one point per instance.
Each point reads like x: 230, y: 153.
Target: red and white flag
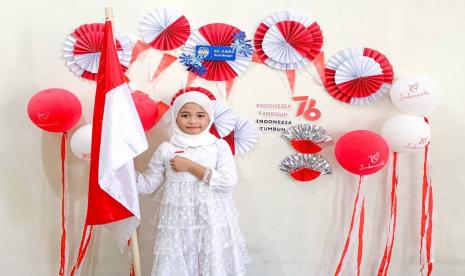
x: 117, y: 138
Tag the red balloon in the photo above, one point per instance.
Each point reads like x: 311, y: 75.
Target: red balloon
x: 362, y: 152
x: 147, y: 109
x: 54, y: 109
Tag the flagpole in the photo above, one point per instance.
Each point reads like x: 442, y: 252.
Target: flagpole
x: 134, y: 240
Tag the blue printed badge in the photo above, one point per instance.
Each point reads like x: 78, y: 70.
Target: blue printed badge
x: 207, y: 52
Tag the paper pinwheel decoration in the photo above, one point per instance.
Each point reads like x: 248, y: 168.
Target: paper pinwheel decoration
x: 164, y: 29
x: 358, y: 76
x: 224, y: 119
x: 287, y: 41
x: 243, y: 138
x: 83, y: 47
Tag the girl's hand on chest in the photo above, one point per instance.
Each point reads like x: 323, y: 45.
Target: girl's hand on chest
x: 181, y: 164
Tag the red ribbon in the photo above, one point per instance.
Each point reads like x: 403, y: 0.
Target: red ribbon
x: 360, y: 237
x: 83, y: 245
x: 426, y: 227
x: 360, y: 232
x: 63, y: 214
x: 386, y: 261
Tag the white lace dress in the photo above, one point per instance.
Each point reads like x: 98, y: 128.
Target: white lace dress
x: 198, y: 230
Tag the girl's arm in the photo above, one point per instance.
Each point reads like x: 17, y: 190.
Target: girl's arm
x: 223, y: 178
x: 153, y: 177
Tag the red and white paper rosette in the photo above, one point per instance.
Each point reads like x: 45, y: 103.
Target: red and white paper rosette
x: 243, y: 138
x: 224, y: 119
x: 165, y: 29
x: 358, y: 76
x: 83, y: 47
x: 218, y: 34
x: 288, y: 40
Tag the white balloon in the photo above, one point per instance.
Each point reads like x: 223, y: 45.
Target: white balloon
x: 81, y: 142
x: 416, y: 95
x: 406, y: 133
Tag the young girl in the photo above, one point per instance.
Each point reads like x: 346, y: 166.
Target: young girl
x: 198, y: 231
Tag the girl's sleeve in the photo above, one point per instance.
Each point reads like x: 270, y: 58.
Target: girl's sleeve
x: 154, y: 176
x: 223, y: 178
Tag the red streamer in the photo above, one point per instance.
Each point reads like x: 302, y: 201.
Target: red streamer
x: 360, y: 237
x: 83, y: 245
x: 63, y: 213
x: 347, y: 243
x: 426, y: 227
x: 386, y: 261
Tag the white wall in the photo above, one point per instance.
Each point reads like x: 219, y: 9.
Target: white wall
x: 291, y: 228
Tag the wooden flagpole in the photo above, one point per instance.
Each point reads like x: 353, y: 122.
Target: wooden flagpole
x: 134, y: 240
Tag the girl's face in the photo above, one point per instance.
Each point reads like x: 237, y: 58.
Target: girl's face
x: 192, y: 119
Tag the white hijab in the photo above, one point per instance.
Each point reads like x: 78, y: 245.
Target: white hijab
x: 183, y: 140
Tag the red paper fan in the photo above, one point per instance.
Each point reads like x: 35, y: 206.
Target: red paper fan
x: 305, y: 167
x: 305, y: 146
x: 164, y: 29
x: 173, y: 36
x: 305, y: 174
x: 230, y: 140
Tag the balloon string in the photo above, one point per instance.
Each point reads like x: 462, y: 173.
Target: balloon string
x: 63, y: 191
x: 360, y: 237
x: 347, y: 242
x: 426, y: 216
x: 385, y: 262
x: 83, y: 245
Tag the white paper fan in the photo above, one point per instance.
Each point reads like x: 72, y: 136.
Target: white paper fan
x: 245, y: 136
x: 357, y: 67
x: 224, y: 118
x: 156, y: 21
